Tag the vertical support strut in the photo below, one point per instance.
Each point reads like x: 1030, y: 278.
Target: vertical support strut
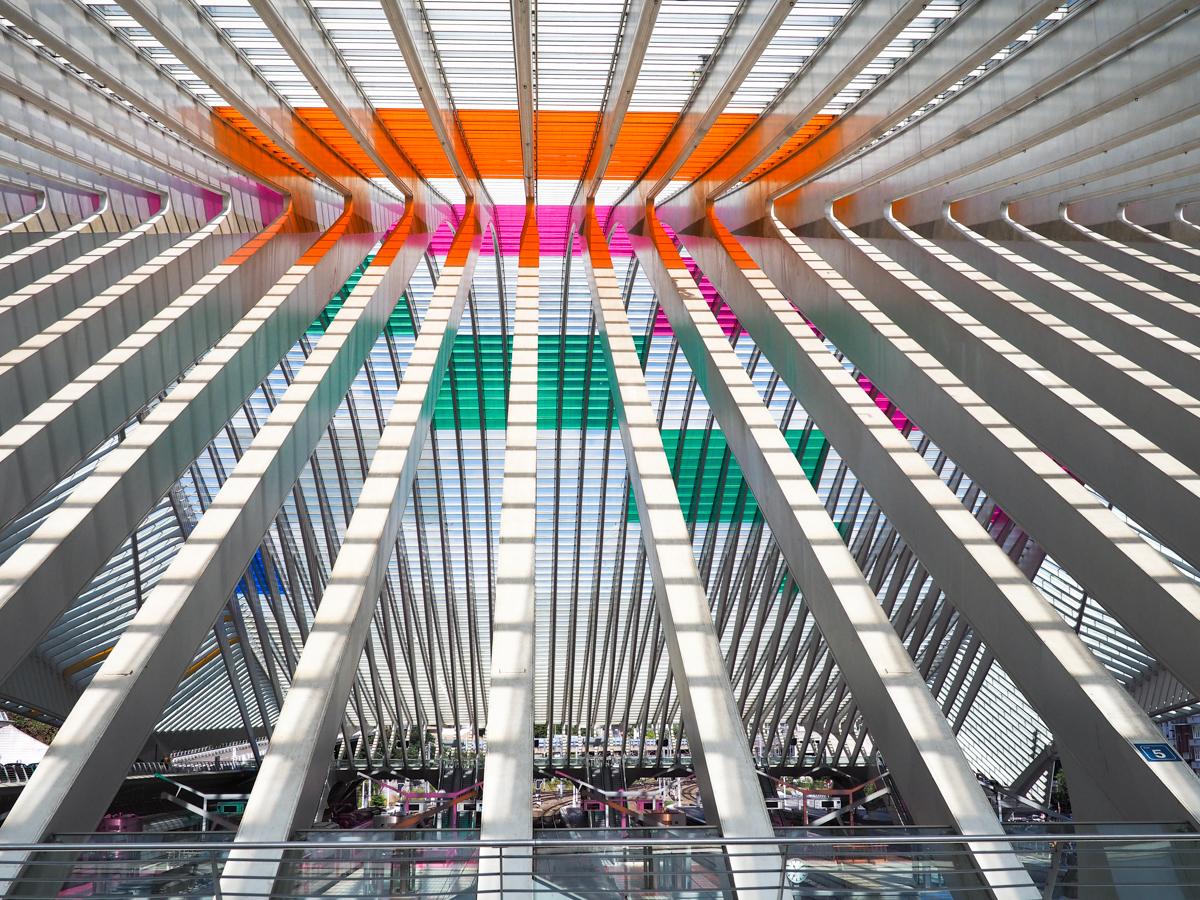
x: 508, y: 778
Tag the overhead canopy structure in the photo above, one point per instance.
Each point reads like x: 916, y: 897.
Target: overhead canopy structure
x: 754, y: 384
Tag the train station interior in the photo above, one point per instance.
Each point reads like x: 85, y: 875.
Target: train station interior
x: 599, y: 448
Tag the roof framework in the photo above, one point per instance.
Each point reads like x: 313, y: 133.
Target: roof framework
x: 311, y: 226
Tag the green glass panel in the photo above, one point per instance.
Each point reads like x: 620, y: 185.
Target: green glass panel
x: 685, y: 467
x: 571, y: 353
x: 494, y: 357
x: 477, y: 392
x: 399, y: 322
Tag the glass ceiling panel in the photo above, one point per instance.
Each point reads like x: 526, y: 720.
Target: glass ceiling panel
x: 686, y: 33
x: 574, y: 43
x: 361, y: 32
x: 474, y: 41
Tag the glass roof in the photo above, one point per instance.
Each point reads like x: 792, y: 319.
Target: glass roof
x: 686, y: 34
x: 360, y: 31
x: 589, y: 546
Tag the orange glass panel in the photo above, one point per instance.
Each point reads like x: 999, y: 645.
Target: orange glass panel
x: 244, y: 125
x: 530, y: 255
x: 563, y: 140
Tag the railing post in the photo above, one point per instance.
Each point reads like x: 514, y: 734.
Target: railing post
x: 216, y: 873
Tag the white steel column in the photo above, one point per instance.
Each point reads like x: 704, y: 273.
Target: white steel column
x: 972, y: 570
x: 720, y: 751
x: 904, y: 719
x: 508, y: 776
x: 107, y: 727
x: 288, y: 789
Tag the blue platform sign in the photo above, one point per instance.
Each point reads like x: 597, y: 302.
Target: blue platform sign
x: 1158, y: 753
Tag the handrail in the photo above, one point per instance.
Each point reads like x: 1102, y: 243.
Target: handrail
x: 776, y: 841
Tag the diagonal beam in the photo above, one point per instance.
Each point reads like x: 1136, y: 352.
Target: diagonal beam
x: 411, y: 30
x: 252, y: 320
x: 1017, y: 386
x: 968, y: 565
x: 1084, y: 40
x: 866, y: 31
x: 188, y: 32
x: 106, y: 729
x: 720, y: 753
x: 905, y: 721
x: 175, y: 617
x: 78, y: 36
x: 635, y: 39
x: 968, y: 41
x: 756, y: 25
x: 288, y: 788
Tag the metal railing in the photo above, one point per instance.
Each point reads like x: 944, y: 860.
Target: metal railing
x: 1078, y: 862
x: 21, y: 773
